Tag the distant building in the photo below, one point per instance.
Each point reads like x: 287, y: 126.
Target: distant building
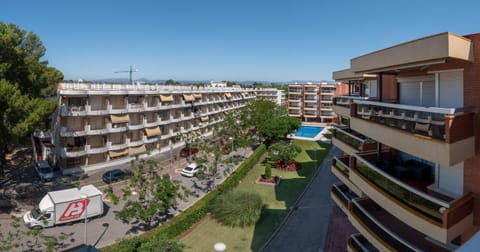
x: 312, y: 102
x: 218, y: 84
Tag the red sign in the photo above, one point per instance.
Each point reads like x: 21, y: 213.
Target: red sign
x: 74, y: 210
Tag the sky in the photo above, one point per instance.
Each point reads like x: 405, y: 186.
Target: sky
x: 236, y: 40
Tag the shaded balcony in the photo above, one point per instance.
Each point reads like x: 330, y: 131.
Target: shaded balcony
x: 342, y: 195
x: 417, y: 130
x: 386, y: 232
x: 402, y: 187
x: 350, y: 141
x: 341, y: 104
x: 341, y: 169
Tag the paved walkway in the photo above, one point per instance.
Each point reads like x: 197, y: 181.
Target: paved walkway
x: 307, y: 226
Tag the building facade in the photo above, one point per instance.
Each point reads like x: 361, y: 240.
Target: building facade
x: 101, y: 125
x: 409, y: 133
x: 312, y: 102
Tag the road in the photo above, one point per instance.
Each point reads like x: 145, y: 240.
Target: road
x: 106, y: 230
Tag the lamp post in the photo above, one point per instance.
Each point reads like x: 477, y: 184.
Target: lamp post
x: 84, y: 198
x: 231, y: 139
x: 219, y: 246
x: 316, y: 158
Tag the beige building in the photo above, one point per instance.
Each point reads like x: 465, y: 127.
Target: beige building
x: 409, y: 169
x: 101, y: 125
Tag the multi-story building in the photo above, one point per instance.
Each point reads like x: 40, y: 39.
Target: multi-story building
x: 100, y: 125
x: 272, y: 94
x: 410, y: 137
x: 312, y: 102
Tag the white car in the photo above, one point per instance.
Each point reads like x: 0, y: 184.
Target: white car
x: 191, y: 170
x: 44, y: 170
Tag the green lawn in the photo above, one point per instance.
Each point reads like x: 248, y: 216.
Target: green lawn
x: 277, y: 200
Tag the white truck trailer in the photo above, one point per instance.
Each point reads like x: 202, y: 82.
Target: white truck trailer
x: 69, y: 205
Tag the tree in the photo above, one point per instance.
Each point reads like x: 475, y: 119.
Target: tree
x: 25, y: 82
x: 155, y: 194
x: 169, y: 82
x: 20, y: 239
x: 282, y: 151
x: 270, y: 119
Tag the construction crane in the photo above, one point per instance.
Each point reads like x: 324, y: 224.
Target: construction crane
x: 128, y: 71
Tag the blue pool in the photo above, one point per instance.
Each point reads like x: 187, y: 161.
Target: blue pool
x: 308, y: 131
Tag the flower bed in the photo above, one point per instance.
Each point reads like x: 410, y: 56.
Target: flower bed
x: 287, y: 166
x: 273, y: 180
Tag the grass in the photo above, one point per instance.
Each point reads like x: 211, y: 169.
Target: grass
x: 277, y: 200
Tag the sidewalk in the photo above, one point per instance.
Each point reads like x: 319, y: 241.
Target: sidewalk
x: 307, y: 226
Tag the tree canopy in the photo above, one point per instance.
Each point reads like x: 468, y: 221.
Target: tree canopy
x: 26, y: 81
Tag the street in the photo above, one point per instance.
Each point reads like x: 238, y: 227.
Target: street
x: 106, y: 230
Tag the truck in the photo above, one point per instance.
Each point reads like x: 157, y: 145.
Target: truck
x: 65, y: 206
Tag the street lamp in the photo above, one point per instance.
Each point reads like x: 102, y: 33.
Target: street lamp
x: 231, y: 139
x: 84, y: 198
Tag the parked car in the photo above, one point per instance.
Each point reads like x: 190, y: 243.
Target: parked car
x: 188, y: 151
x: 191, y: 170
x: 115, y: 175
x: 44, y: 170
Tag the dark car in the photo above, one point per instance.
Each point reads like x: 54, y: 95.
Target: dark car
x: 115, y: 175
x: 185, y: 152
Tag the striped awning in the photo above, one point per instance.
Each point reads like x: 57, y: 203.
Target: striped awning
x: 118, y: 153
x: 137, y: 150
x: 228, y: 95
x: 153, y: 131
x: 197, y: 96
x: 166, y: 98
x: 188, y: 98
x: 119, y: 118
x: 204, y: 118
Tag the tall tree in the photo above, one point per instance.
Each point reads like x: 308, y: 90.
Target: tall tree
x: 26, y: 81
x: 155, y: 194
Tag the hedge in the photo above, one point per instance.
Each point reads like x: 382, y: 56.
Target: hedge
x: 196, y: 212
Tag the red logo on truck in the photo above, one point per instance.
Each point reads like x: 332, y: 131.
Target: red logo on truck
x: 74, y: 210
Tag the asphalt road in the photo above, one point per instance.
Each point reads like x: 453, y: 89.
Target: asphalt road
x: 106, y: 229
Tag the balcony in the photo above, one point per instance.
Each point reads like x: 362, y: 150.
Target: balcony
x: 74, y: 151
x: 341, y: 169
x: 403, y: 190
x: 341, y: 104
x: 342, y: 195
x: 358, y: 243
x: 350, y: 141
x: 417, y: 130
x: 95, y: 149
x: 75, y: 132
x: 386, y: 232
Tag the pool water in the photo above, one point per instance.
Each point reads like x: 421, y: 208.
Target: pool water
x: 308, y: 131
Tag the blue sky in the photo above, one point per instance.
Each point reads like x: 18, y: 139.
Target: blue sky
x: 231, y: 39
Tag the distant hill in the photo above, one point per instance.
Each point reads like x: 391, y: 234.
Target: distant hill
x: 186, y: 82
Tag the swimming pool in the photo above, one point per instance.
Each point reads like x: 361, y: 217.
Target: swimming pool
x: 308, y: 131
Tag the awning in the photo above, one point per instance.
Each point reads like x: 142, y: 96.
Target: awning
x: 119, y: 118
x: 166, y: 98
x: 244, y: 94
x: 153, y: 131
x: 204, y: 118
x: 228, y: 95
x: 118, y: 153
x: 137, y: 150
x: 197, y: 96
x: 188, y: 98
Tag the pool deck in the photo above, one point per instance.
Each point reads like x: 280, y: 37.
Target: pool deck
x: 318, y: 137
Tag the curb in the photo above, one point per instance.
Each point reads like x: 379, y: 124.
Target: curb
x: 291, y: 208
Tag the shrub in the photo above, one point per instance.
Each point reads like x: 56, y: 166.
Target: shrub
x: 268, y: 171
x: 237, y: 208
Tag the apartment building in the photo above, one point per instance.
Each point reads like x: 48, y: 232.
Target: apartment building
x: 272, y: 94
x: 101, y: 125
x: 312, y: 102
x: 409, y: 133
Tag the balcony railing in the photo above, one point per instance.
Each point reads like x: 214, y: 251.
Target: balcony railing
x: 446, y: 124
x: 392, y: 240
x: 343, y: 193
x: 348, y: 137
x: 341, y: 164
x: 358, y: 243
x: 441, y: 209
